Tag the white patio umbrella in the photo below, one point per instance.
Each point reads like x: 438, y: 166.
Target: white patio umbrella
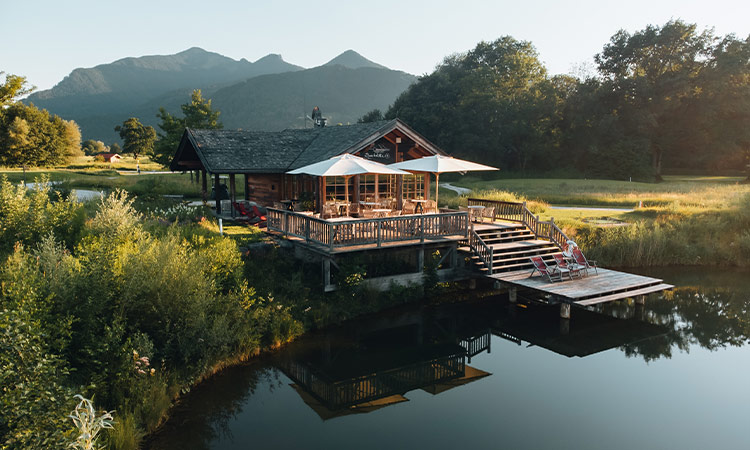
x: 438, y: 164
x: 346, y: 166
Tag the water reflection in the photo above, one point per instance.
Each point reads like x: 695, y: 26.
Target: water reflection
x: 444, y: 352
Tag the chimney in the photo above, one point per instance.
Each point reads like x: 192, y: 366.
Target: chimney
x: 317, y: 117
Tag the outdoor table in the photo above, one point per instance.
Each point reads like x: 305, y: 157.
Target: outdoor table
x: 343, y: 208
x: 381, y: 212
x: 369, y: 203
x: 420, y: 205
x: 475, y: 211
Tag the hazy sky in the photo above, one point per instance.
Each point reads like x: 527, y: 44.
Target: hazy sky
x: 46, y: 40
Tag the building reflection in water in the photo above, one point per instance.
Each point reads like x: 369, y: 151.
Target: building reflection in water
x: 375, y: 362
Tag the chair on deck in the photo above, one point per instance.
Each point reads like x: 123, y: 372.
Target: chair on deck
x: 552, y: 273
x: 409, y: 207
x: 574, y: 270
x: 329, y: 211
x: 583, y: 262
x: 489, y: 213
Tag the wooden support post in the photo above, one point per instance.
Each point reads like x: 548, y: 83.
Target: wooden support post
x: 217, y: 194
x: 191, y: 177
x: 513, y: 294
x: 326, y: 273
x: 204, y: 186
x: 454, y: 256
x: 565, y: 310
x: 232, y: 193
x: 640, y: 299
x: 380, y: 222
x: 244, y: 188
x: 472, y: 284
x: 564, y: 327
x: 399, y: 192
x: 420, y: 259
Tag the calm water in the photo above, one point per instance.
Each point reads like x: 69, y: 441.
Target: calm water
x: 671, y: 375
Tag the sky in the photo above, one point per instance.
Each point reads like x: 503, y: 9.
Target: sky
x: 46, y: 40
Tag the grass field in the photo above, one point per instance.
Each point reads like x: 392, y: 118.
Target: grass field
x: 685, y: 220
x: 85, y: 173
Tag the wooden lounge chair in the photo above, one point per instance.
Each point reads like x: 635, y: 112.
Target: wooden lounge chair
x: 489, y: 213
x: 574, y: 270
x: 581, y: 260
x: 552, y: 273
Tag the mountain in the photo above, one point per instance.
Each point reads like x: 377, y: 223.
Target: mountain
x: 353, y: 60
x: 268, y: 94
x: 101, y: 97
x: 275, y: 102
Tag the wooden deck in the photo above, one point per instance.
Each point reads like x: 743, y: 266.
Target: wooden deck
x: 606, y: 286
x: 346, y: 235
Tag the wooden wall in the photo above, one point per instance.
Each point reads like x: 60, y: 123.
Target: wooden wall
x: 264, y: 189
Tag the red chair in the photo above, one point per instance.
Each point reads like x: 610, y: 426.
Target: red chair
x: 552, y: 273
x: 583, y: 262
x: 253, y: 215
x: 573, y: 269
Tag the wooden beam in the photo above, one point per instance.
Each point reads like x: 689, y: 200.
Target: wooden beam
x: 216, y: 194
x: 232, y: 193
x: 204, y: 186
x: 247, y: 194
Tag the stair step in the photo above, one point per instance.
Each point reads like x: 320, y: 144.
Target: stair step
x: 509, y: 239
x: 532, y: 251
x: 518, y: 245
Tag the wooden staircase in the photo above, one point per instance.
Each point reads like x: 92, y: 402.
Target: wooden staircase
x: 512, y: 245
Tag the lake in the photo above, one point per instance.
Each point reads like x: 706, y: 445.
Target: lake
x: 672, y: 374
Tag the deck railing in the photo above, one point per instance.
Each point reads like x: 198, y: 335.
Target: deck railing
x: 518, y: 212
x: 481, y: 249
x: 346, y: 233
x: 360, y: 389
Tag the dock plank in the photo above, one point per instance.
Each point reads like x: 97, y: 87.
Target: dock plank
x: 626, y: 294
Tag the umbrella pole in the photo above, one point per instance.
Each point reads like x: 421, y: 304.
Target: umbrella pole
x: 437, y: 188
x: 346, y: 194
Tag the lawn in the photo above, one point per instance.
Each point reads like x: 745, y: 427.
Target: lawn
x: 696, y: 191
x: 85, y: 173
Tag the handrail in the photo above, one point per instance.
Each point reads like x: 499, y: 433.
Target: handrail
x: 518, y: 212
x: 481, y: 249
x: 378, y: 231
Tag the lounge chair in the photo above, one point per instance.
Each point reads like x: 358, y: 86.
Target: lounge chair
x: 552, y: 273
x: 489, y: 213
x: 573, y: 269
x: 581, y: 260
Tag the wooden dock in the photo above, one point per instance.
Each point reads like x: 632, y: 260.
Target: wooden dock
x: 606, y: 286
x: 502, y: 251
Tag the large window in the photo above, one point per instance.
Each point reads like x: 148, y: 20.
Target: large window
x: 335, y: 188
x: 385, y: 188
x: 414, y: 186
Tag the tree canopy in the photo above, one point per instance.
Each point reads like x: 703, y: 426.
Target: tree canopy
x: 137, y: 138
x: 665, y: 96
x: 197, y: 114
x: 30, y: 136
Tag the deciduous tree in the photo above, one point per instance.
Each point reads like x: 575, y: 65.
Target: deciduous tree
x: 137, y: 138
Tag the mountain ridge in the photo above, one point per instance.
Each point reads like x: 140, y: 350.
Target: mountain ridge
x: 100, y: 97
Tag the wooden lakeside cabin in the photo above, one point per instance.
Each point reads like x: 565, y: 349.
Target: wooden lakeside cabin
x: 264, y: 157
x: 499, y: 238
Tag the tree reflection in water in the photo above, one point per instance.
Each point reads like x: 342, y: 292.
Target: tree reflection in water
x: 209, y: 408
x: 711, y: 318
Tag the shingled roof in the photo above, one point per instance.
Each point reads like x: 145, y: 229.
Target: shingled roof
x: 230, y: 151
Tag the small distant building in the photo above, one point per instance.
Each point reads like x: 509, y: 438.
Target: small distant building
x: 111, y: 157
